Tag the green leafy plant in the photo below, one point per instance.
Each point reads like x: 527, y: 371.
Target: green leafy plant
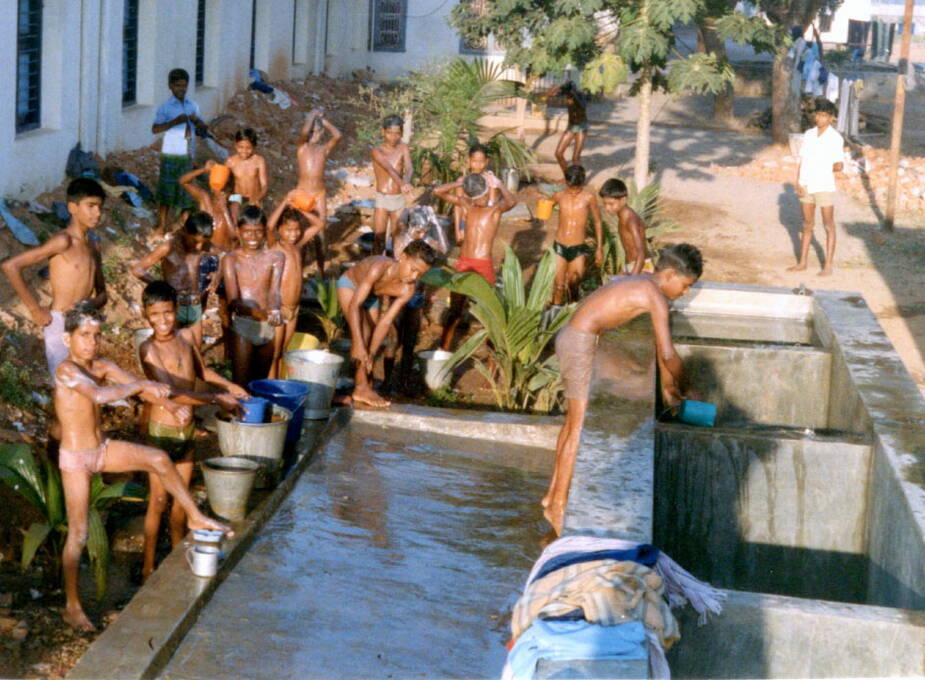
x: 515, y: 333
x: 14, y: 385
x: 648, y: 205
x: 40, y: 484
x: 329, y: 316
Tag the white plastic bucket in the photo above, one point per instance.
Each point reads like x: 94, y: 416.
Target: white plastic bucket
x: 434, y: 365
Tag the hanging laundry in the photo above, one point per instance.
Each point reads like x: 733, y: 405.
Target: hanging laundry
x: 831, y: 88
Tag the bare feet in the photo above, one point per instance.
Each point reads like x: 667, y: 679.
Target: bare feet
x: 797, y: 268
x: 200, y: 521
x: 76, y: 618
x: 366, y: 395
x: 825, y: 271
x: 553, y: 515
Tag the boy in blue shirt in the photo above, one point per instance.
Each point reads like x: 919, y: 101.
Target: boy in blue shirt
x: 176, y: 118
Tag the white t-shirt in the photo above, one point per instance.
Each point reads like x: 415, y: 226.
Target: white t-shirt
x: 817, y: 155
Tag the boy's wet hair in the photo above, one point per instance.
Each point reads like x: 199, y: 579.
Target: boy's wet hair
x: 247, y: 134
x: 683, y: 258
x: 575, y: 176
x: 158, y: 291
x: 391, y: 121
x: 474, y: 185
x: 290, y: 214
x: 252, y: 215
x: 478, y: 147
x: 823, y: 105
x: 199, y: 224
x: 177, y: 74
x: 84, y: 187
x: 421, y: 250
x: 81, y: 313
x: 614, y: 188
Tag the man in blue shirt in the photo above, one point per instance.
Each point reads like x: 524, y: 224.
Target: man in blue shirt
x: 176, y: 118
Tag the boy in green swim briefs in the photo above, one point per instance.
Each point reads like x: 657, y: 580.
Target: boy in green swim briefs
x: 576, y: 204
x: 171, y: 356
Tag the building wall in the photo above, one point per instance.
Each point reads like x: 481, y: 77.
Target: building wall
x: 81, y: 90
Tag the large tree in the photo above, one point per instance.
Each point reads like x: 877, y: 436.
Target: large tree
x: 604, y: 40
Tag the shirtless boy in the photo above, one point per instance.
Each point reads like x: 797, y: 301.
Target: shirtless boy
x: 214, y: 202
x: 252, y: 275
x: 632, y: 230
x: 393, y: 170
x: 478, y: 165
x: 75, y: 268
x: 249, y: 171
x: 292, y: 235
x: 577, y: 128
x: 171, y: 356
x: 312, y: 154
x: 482, y: 222
x: 576, y: 204
x: 363, y: 292
x: 610, y: 306
x: 79, y: 392
x: 179, y: 256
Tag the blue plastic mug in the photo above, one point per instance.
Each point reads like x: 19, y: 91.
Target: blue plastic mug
x: 255, y: 409
x: 700, y: 413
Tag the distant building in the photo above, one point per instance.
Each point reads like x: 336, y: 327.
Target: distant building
x: 871, y: 26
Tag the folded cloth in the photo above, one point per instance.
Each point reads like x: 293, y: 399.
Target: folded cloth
x: 642, y: 553
x: 573, y: 640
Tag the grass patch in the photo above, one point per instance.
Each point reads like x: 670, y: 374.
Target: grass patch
x: 14, y: 381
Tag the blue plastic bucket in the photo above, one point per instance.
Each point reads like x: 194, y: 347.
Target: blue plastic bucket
x: 289, y: 394
x: 255, y: 409
x: 700, y: 413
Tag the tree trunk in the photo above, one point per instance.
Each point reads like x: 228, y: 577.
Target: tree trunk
x: 714, y: 44
x: 784, y: 106
x: 643, y: 123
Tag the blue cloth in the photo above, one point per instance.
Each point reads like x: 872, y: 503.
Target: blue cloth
x: 575, y: 641
x: 643, y: 554
x: 172, y: 108
x: 371, y: 302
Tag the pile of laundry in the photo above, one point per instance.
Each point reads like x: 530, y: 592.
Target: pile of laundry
x: 590, y: 598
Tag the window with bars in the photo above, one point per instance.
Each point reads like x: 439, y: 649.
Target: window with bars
x: 388, y: 25
x: 253, y: 32
x: 201, y: 42
x: 480, y: 46
x: 130, y: 53
x: 28, y: 65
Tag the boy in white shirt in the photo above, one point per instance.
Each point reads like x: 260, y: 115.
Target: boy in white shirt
x: 821, y: 156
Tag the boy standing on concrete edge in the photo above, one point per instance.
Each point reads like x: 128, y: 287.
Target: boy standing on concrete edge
x: 822, y: 154
x: 608, y: 307
x: 393, y: 170
x: 176, y: 118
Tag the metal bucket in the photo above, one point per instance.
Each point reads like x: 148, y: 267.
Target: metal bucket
x: 318, y: 369
x: 511, y: 179
x: 228, y: 485
x: 433, y: 364
x: 262, y: 443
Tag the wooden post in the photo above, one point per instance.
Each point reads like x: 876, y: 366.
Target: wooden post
x: 899, y: 107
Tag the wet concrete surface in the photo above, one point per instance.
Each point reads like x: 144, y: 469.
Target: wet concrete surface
x: 397, y: 555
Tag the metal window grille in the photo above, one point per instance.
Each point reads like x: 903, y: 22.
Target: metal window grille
x: 480, y: 46
x: 253, y: 31
x: 28, y: 65
x: 389, y: 17
x: 130, y: 53
x: 201, y: 42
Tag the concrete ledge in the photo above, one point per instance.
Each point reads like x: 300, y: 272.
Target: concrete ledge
x: 762, y: 301
x: 524, y: 430
x: 140, y: 642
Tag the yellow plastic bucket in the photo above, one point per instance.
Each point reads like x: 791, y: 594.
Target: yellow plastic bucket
x: 544, y: 208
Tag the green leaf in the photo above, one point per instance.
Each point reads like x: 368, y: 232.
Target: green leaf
x: 54, y: 494
x: 465, y: 350
x: 32, y: 540
x: 20, y: 472
x: 604, y: 73
x: 543, y: 279
x: 125, y: 490
x: 699, y: 73
x: 98, y: 548
x: 512, y: 281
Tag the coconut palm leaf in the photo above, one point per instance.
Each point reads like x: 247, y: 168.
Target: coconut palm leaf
x: 33, y: 538
x: 98, y: 548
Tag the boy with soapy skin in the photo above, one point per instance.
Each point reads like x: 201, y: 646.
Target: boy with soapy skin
x: 393, y: 170
x: 171, y: 356
x: 80, y: 391
x: 249, y: 172
x: 289, y: 238
x: 610, y: 306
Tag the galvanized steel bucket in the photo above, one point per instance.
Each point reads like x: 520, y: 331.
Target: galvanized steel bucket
x: 318, y: 369
x: 228, y: 485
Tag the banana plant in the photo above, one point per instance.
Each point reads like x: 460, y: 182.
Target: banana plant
x: 515, y: 333
x: 40, y: 484
x: 326, y: 294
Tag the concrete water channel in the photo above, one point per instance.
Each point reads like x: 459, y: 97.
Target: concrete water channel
x: 398, y: 546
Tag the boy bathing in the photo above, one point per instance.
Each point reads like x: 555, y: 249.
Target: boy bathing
x: 821, y: 156
x: 363, y: 292
x: 176, y: 118
x: 252, y: 275
x: 171, y: 357
x: 312, y: 155
x: 577, y: 128
x: 74, y: 264
x: 482, y: 222
x: 478, y: 165
x: 249, y: 171
x: 576, y: 204
x: 215, y: 203
x: 179, y: 256
x: 631, y: 229
x: 608, y: 307
x: 289, y: 241
x: 79, y: 392
x: 393, y: 170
